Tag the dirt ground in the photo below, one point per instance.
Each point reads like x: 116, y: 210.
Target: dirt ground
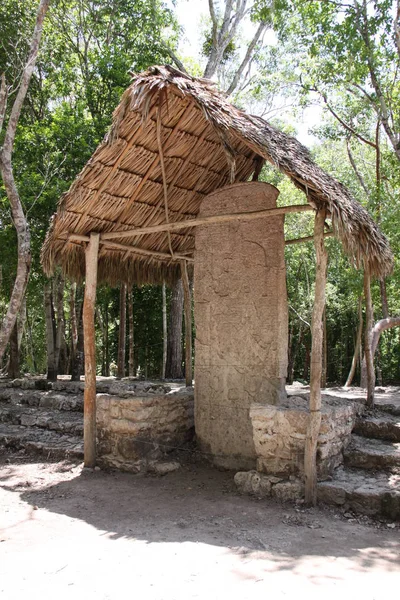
x: 67, y: 532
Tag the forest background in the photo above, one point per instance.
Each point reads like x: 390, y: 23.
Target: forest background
x: 334, y: 63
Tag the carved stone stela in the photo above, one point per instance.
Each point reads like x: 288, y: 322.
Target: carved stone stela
x: 241, y: 318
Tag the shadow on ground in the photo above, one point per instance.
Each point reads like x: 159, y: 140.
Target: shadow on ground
x: 198, y: 504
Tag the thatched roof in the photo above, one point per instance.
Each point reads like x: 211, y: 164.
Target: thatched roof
x: 206, y: 144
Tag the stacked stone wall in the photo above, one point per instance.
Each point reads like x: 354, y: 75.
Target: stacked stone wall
x: 138, y: 429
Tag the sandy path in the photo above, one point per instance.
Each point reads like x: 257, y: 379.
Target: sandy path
x: 72, y: 534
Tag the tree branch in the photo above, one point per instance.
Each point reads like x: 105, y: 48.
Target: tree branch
x: 236, y: 78
x: 345, y: 125
x: 174, y: 57
x: 355, y: 169
x: 3, y: 100
x: 26, y: 78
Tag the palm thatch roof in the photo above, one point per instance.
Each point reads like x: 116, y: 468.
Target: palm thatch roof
x: 173, y: 140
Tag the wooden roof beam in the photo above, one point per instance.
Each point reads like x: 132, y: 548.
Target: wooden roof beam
x: 175, y: 226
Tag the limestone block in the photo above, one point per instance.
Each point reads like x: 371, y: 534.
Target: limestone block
x: 241, y: 320
x: 134, y: 430
x: 279, y: 436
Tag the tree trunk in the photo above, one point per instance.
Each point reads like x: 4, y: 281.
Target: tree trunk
x: 173, y: 369
x: 357, y: 345
x: 324, y: 354
x: 294, y: 353
x: 385, y: 309
x: 50, y: 332
x: 165, y: 334
x: 31, y: 345
x: 60, y: 325
x: 107, y: 346
x: 369, y: 361
x: 188, y: 324
x: 17, y: 212
x: 314, y: 423
x: 77, y: 363
x: 131, y: 337
x: 122, y: 331
x: 13, y: 363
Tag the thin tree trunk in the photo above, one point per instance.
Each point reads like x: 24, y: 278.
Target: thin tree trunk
x: 21, y: 321
x: 100, y: 323
x: 173, y: 369
x: 122, y: 331
x: 357, y: 345
x: 60, y: 325
x: 385, y: 308
x: 50, y: 332
x: 77, y: 363
x: 324, y: 353
x: 31, y: 345
x: 13, y: 363
x: 314, y: 423
x: 73, y: 325
x: 188, y: 324
x: 165, y: 334
x: 369, y: 319
x: 294, y: 353
x: 107, y: 347
x: 131, y: 336
x: 17, y: 212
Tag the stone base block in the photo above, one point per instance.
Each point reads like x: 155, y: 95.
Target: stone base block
x: 279, y: 434
x: 137, y: 431
x: 267, y: 486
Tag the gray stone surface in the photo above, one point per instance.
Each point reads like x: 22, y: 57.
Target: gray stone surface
x: 136, y: 430
x: 368, y: 453
x: 384, y: 427
x: 366, y: 493
x: 280, y: 431
x: 264, y: 486
x: 35, y: 440
x: 241, y: 321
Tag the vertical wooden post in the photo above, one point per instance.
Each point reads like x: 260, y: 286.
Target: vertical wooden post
x: 369, y: 360
x: 188, y: 324
x: 89, y: 411
x: 314, y: 422
x: 164, y: 323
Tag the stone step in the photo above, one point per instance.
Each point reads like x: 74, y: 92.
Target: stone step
x: 61, y: 421
x: 373, y: 494
x: 380, y: 426
x: 35, y: 440
x: 50, y: 399
x: 368, y: 453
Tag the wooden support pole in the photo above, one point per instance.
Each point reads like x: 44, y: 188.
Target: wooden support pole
x: 188, y: 324
x: 89, y: 412
x: 369, y: 360
x: 314, y: 421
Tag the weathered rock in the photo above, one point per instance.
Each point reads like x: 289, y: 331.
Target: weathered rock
x: 163, y: 468
x: 241, y: 321
x: 39, y: 441
x: 384, y: 427
x: 366, y: 493
x: 133, y: 432
x: 280, y: 431
x: 368, y: 453
x: 264, y: 486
